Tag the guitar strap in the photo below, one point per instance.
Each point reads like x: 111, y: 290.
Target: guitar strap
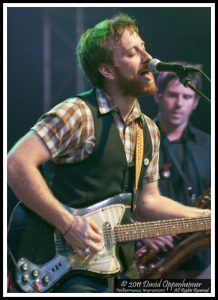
x: 139, y: 156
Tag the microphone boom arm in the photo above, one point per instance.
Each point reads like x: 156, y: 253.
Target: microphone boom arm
x: 187, y: 83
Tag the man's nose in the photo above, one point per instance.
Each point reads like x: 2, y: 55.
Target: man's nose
x: 179, y: 100
x: 146, y: 56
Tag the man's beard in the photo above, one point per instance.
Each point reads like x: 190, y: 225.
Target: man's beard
x: 134, y: 87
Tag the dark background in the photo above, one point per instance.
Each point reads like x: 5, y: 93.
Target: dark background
x: 42, y: 68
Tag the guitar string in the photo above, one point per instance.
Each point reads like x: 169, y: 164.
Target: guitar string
x: 129, y: 235
x: 197, y: 220
x: 119, y: 230
x: 140, y: 230
x: 194, y: 226
x: 123, y: 231
x: 153, y: 227
x: 156, y: 227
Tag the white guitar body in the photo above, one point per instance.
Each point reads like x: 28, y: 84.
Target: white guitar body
x: 105, y: 261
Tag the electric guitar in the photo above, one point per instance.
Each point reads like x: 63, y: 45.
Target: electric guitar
x: 42, y: 258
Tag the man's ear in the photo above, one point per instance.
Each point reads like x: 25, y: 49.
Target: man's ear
x: 157, y: 97
x: 195, y: 104
x: 106, y: 71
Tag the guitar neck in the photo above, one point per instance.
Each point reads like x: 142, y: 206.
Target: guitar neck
x: 137, y: 231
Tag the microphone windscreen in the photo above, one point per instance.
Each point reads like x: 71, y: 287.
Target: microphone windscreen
x: 152, y: 65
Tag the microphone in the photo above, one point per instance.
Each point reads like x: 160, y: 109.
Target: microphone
x: 156, y: 66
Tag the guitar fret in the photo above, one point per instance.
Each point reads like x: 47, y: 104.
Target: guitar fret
x: 156, y: 228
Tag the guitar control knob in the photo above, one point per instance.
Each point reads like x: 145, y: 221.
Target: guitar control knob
x: 25, y: 278
x: 45, y: 279
x: 24, y: 266
x: 35, y: 273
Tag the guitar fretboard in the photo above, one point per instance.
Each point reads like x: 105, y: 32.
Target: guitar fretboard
x: 137, y: 231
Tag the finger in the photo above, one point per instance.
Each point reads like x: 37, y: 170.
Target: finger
x: 94, y: 227
x: 95, y: 247
x: 167, y: 237
x: 82, y: 252
x: 151, y: 245
x: 143, y: 249
x: 161, y: 241
x: 94, y: 233
x: 167, y: 242
x: 94, y: 237
x: 160, y: 245
x: 156, y: 244
x: 79, y: 252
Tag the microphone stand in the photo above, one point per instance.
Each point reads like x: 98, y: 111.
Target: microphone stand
x: 187, y: 83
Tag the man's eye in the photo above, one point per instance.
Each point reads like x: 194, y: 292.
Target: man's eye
x: 132, y: 53
x: 172, y: 95
x: 187, y: 97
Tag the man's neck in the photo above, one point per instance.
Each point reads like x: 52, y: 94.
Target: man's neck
x: 171, y: 131
x: 123, y: 102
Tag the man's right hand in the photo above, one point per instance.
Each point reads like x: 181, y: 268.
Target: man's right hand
x: 83, y: 234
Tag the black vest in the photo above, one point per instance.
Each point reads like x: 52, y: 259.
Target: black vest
x: 105, y: 173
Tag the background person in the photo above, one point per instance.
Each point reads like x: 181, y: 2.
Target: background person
x: 185, y: 158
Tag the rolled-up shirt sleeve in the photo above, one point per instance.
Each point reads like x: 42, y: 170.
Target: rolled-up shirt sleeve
x: 67, y: 130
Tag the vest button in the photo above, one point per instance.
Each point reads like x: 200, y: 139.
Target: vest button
x: 146, y: 161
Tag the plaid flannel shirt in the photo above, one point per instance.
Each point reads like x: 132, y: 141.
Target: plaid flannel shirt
x: 69, y: 134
